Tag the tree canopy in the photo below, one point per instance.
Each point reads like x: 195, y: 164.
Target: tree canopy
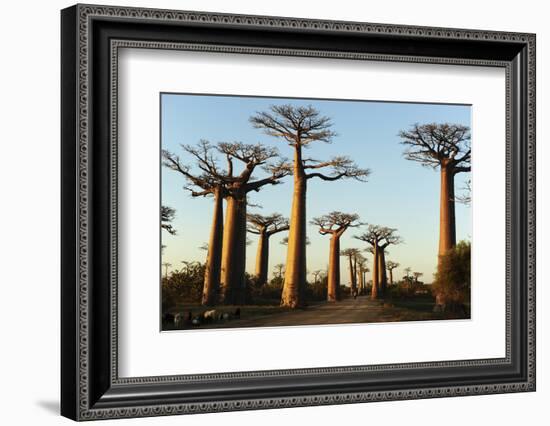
x: 336, y: 223
x: 435, y: 144
x: 167, y: 215
x: 270, y: 224
x: 381, y: 236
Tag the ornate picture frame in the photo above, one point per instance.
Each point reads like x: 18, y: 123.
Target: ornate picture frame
x: 91, y: 38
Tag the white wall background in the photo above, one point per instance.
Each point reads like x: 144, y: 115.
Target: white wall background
x: 29, y: 217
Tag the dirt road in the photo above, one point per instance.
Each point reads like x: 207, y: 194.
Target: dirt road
x: 349, y: 310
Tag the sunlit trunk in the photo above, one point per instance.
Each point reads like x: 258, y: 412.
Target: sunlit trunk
x: 374, y: 291
x: 295, y: 273
x: 447, y: 226
x: 262, y: 257
x: 382, y: 277
x: 447, y: 237
x: 391, y: 276
x: 351, y: 274
x: 333, y: 277
x: 452, y: 213
x: 361, y: 281
x: 354, y: 277
x: 213, y: 260
x: 232, y: 285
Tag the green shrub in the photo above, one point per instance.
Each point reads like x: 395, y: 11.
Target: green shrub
x: 183, y: 286
x: 452, y: 280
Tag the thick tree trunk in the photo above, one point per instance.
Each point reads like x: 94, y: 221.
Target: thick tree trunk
x: 361, y: 281
x: 452, y: 214
x: 232, y: 285
x: 213, y: 260
x: 391, y: 276
x: 447, y: 237
x: 262, y: 257
x: 382, y: 277
x: 351, y: 274
x: 354, y: 280
x: 333, y: 278
x: 447, y: 226
x: 295, y: 273
x: 374, y: 291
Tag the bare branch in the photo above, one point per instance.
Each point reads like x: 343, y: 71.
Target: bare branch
x: 435, y: 144
x: 391, y: 265
x: 298, y: 125
x: 341, y: 167
x: 379, y: 236
x: 202, y: 152
x: 204, y: 181
x: 271, y: 224
x: 466, y: 197
x: 350, y: 252
x: 336, y: 223
x: 247, y: 153
x: 167, y: 215
x: 278, y: 171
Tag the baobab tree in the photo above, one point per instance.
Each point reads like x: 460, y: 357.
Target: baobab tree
x: 417, y: 275
x: 361, y: 267
x: 390, y: 266
x: 227, y: 244
x: 351, y: 254
x: 335, y: 224
x: 209, y: 180
x: 265, y: 227
x: 279, y: 270
x: 407, y: 271
x: 379, y: 237
x: 167, y: 215
x: 381, y: 264
x: 364, y: 269
x: 299, y: 127
x: 316, y: 274
x: 390, y: 239
x: 232, y: 281
x: 445, y: 147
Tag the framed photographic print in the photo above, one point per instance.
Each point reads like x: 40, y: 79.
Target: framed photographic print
x: 263, y: 212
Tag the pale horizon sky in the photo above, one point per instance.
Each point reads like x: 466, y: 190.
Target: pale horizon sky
x: 399, y: 193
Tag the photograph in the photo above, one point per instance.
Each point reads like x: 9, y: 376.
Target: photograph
x: 274, y: 208
x: 294, y: 211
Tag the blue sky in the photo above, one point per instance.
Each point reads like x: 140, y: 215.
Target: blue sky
x: 399, y: 193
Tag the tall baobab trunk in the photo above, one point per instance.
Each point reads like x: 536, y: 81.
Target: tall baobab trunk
x: 382, y: 277
x: 361, y: 280
x: 213, y: 260
x: 447, y: 235
x: 351, y: 274
x: 354, y: 277
x: 262, y: 257
x: 447, y: 226
x: 232, y: 285
x: 333, y: 276
x: 295, y: 273
x: 391, y: 276
x: 374, y: 291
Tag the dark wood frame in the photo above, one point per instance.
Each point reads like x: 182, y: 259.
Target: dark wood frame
x: 90, y: 386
